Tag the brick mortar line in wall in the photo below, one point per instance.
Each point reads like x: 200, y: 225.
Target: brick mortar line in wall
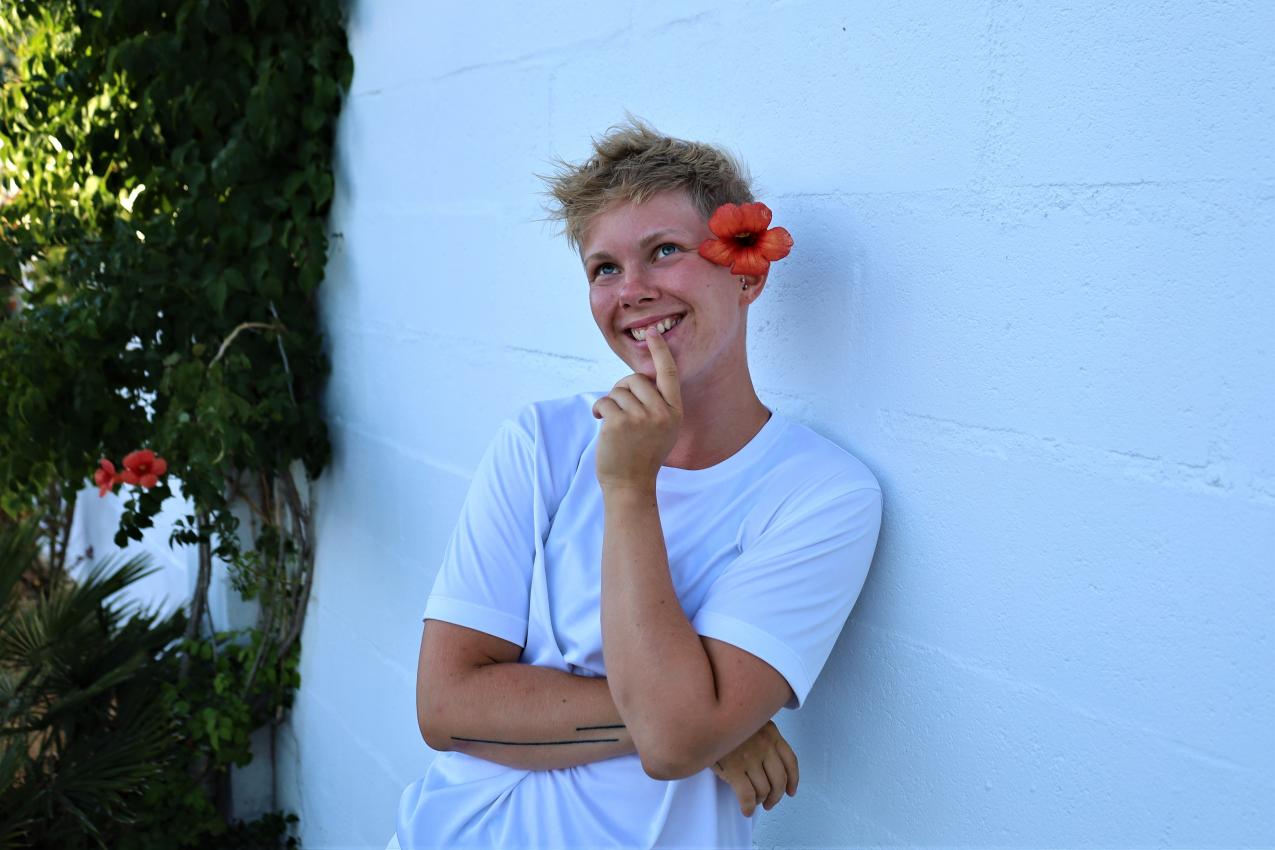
x: 558, y: 53
x: 975, y: 190
x: 345, y: 424
x: 1053, y: 698
x: 352, y: 635
x: 1224, y: 478
x: 371, y: 328
x: 354, y: 737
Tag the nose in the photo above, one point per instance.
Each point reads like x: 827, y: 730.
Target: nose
x: 636, y: 287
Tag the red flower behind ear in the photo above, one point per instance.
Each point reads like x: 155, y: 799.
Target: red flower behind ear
x: 105, y: 477
x: 144, y: 468
x: 745, y: 240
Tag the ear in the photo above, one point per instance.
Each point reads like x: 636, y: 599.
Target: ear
x: 755, y: 283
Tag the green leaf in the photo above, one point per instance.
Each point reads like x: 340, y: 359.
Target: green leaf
x: 217, y: 294
x: 260, y: 234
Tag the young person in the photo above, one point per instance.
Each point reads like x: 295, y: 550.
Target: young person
x: 639, y: 579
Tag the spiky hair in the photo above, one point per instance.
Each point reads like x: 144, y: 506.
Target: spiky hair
x: 633, y: 161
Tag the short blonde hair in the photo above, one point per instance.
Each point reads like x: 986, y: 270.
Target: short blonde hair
x: 632, y: 162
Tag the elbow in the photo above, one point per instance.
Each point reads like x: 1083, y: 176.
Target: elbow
x: 676, y: 759
x: 656, y: 768
x: 428, y: 734
x: 427, y: 720
x: 666, y: 770
x: 434, y: 739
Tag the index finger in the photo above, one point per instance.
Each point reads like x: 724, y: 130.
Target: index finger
x: 789, y: 758
x: 666, y: 380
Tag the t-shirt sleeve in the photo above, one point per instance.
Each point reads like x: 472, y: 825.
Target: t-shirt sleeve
x: 484, y: 581
x: 788, y: 594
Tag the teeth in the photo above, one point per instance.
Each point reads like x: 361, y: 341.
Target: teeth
x: 663, y: 326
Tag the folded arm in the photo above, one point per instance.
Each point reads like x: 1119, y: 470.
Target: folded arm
x: 473, y: 696
x: 705, y: 697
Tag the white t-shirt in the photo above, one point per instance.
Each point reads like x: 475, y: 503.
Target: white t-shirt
x: 767, y: 551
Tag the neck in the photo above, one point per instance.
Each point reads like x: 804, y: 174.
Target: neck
x: 717, y: 421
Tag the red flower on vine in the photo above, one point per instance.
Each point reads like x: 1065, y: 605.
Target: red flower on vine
x: 143, y: 467
x: 745, y: 240
x: 105, y: 477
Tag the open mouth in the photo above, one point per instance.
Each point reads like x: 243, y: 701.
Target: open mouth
x: 667, y: 326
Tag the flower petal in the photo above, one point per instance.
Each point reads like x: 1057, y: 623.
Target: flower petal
x: 717, y: 251
x: 160, y: 466
x: 726, y: 221
x: 103, y: 488
x: 139, y: 458
x: 775, y: 243
x: 148, y: 481
x: 105, y: 464
x: 750, y: 261
x: 128, y: 476
x: 754, y: 217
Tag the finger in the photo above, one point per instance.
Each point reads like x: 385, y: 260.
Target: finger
x: 625, y: 399
x: 789, y: 758
x: 604, y: 407
x: 761, y: 785
x: 778, y: 780
x: 744, y: 793
x: 642, y: 387
x: 665, y: 370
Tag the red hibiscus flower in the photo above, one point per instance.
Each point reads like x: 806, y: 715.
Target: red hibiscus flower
x: 105, y: 477
x: 143, y: 467
x: 745, y: 240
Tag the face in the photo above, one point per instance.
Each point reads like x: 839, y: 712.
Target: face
x: 643, y: 265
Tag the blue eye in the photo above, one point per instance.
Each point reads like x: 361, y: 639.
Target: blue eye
x: 602, y: 269
x: 660, y: 250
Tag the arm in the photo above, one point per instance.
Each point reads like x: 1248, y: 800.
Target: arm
x: 486, y: 678
x: 705, y: 697
x: 471, y: 691
x: 473, y: 696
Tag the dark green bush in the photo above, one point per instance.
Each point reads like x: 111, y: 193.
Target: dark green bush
x: 99, y: 747
x: 165, y: 181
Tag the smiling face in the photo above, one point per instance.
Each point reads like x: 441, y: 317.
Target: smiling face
x: 642, y: 263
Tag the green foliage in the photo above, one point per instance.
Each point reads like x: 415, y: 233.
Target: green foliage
x: 165, y: 181
x: 213, y: 715
x: 99, y: 746
x: 77, y: 684
x: 158, y: 207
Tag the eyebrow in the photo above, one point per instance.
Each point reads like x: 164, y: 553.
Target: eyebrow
x: 646, y: 242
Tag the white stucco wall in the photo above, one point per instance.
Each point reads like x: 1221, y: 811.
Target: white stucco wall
x: 1031, y: 289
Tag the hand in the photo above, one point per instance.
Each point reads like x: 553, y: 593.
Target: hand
x: 760, y: 769
x: 640, y: 421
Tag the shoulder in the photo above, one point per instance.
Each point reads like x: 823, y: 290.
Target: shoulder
x: 808, y: 461
x: 556, y: 422
x: 551, y: 435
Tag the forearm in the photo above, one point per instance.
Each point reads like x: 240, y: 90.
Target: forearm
x: 529, y: 717
x: 646, y: 637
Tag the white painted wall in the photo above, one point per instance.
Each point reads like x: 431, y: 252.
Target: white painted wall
x: 1031, y: 289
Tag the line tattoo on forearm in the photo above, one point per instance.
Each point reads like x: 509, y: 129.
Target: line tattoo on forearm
x: 550, y: 743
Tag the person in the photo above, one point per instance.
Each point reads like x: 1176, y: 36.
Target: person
x: 639, y: 579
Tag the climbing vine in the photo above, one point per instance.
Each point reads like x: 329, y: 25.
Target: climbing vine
x: 165, y: 182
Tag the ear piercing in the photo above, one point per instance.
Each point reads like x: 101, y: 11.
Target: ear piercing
x: 741, y: 280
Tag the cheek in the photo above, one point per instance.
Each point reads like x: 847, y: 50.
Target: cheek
x: 603, y: 317
x: 597, y: 306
